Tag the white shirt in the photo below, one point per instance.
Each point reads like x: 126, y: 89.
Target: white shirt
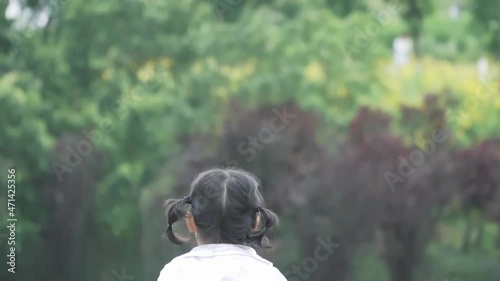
x: 220, y: 262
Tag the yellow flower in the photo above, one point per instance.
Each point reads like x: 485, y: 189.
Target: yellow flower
x: 239, y: 72
x: 221, y: 92
x: 106, y: 75
x: 342, y: 91
x: 225, y: 70
x: 146, y: 73
x: 315, y: 73
x: 197, y: 66
x: 166, y: 62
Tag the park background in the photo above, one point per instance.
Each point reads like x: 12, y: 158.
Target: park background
x: 107, y: 108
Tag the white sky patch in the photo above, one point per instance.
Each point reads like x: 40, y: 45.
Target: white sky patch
x: 26, y: 17
x: 13, y: 10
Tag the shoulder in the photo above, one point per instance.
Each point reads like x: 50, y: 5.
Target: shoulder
x: 219, y: 262
x: 277, y: 275
x: 175, y: 269
x: 266, y: 270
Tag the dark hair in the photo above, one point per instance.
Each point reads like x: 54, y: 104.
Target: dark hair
x: 225, y: 204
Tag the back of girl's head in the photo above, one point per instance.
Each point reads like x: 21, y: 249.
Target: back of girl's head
x: 227, y: 207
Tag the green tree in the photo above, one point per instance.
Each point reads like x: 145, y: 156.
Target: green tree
x: 414, y: 12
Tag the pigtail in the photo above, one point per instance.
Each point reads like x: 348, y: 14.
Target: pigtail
x: 175, y: 210
x: 268, y: 219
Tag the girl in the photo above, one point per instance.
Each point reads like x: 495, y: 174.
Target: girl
x: 225, y: 211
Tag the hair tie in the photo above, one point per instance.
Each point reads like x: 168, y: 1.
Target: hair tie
x: 169, y: 228
x: 187, y: 199
x: 258, y: 209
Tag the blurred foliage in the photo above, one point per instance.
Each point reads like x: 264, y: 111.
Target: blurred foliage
x: 115, y: 105
x: 488, y: 21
